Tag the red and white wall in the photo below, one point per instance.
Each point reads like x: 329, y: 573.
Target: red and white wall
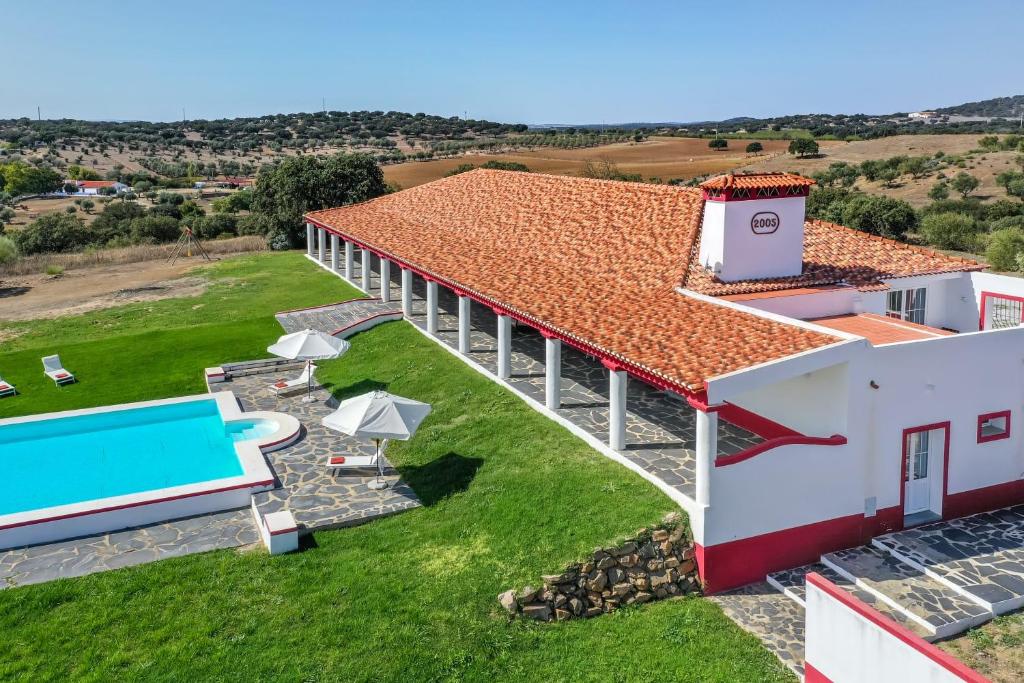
x: 847, y: 641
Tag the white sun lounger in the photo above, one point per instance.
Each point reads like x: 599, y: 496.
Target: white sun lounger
x: 54, y: 369
x: 6, y: 389
x: 356, y: 462
x: 283, y: 387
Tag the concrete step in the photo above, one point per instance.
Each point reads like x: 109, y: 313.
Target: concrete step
x: 980, y: 557
x: 942, y: 611
x: 793, y: 583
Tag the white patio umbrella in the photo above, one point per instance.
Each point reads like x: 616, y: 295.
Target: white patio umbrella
x: 378, y: 415
x: 309, y: 345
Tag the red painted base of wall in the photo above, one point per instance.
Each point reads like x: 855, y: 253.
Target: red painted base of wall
x: 730, y: 565
x: 982, y: 500
x: 812, y: 675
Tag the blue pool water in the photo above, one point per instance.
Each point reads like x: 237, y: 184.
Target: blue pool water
x: 86, y: 457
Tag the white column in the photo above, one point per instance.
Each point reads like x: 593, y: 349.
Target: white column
x: 407, y: 292
x: 385, y: 280
x: 617, y: 408
x: 322, y: 244
x: 431, y: 307
x: 707, y: 451
x: 334, y: 253
x: 465, y: 310
x: 504, y: 346
x: 309, y: 239
x: 366, y: 261
x: 553, y: 373
x: 350, y: 261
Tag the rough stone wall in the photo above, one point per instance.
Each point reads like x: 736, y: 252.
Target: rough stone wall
x: 656, y: 564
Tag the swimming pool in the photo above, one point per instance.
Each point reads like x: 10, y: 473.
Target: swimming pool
x: 102, y: 469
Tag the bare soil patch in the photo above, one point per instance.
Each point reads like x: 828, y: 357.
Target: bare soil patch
x: 88, y: 289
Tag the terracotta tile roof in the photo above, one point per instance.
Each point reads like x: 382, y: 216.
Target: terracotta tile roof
x: 596, y: 261
x: 878, y: 329
x: 755, y: 181
x: 834, y: 254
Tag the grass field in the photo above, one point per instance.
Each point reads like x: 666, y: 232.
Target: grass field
x: 661, y: 157
x: 507, y: 495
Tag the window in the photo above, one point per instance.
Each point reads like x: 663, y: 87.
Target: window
x: 907, y: 304
x: 994, y: 426
x: 1000, y: 311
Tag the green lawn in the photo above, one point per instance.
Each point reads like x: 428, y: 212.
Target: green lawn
x: 508, y: 495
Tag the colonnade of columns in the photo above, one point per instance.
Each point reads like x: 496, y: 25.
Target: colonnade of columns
x: 618, y: 377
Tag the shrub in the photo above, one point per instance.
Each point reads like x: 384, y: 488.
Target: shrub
x: 1002, y: 208
x: 53, y: 232
x: 8, y: 251
x: 53, y: 270
x: 214, y: 225
x: 1003, y: 247
x: 115, y: 221
x: 939, y: 191
x: 1007, y: 222
x: 755, y: 148
x: 718, y: 143
x: 964, y: 183
x: 950, y: 231
x: 878, y: 215
x: 154, y: 230
x: 253, y: 224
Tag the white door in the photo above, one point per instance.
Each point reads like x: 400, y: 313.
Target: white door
x: 916, y: 475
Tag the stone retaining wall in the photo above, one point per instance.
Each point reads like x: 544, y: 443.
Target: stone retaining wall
x: 656, y: 564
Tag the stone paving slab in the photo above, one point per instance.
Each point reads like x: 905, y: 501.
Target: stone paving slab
x: 130, y: 547
x: 982, y: 555
x: 334, y: 317
x: 775, y: 619
x: 793, y: 584
x: 935, y: 606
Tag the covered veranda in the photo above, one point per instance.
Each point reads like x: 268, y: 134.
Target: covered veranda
x: 656, y: 430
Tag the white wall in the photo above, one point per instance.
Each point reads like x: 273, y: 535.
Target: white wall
x: 953, y: 379
x: 813, y: 403
x: 847, y: 645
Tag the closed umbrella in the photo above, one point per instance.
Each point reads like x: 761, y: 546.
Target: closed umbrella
x: 309, y: 345
x: 378, y: 416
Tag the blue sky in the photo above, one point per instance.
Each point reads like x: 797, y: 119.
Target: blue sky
x: 532, y: 62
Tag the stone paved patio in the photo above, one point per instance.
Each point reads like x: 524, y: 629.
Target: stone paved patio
x: 316, y: 496
x: 660, y: 427
x: 78, y: 557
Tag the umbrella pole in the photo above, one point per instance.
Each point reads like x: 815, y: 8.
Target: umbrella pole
x: 378, y: 483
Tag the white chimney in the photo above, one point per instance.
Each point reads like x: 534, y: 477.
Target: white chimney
x: 754, y: 225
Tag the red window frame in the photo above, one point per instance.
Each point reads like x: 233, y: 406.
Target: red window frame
x: 985, y: 296
x: 994, y: 437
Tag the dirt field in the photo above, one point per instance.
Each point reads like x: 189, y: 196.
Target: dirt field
x: 32, y: 297
x: 660, y: 157
x: 983, y: 166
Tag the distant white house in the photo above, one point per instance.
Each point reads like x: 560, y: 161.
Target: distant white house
x: 92, y: 187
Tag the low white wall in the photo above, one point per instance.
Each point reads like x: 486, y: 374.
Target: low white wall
x: 805, y: 306
x: 782, y: 488
x: 849, y: 642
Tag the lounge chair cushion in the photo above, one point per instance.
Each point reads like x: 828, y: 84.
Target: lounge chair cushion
x: 337, y: 460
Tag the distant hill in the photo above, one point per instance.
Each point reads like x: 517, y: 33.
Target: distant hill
x: 1009, y: 107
